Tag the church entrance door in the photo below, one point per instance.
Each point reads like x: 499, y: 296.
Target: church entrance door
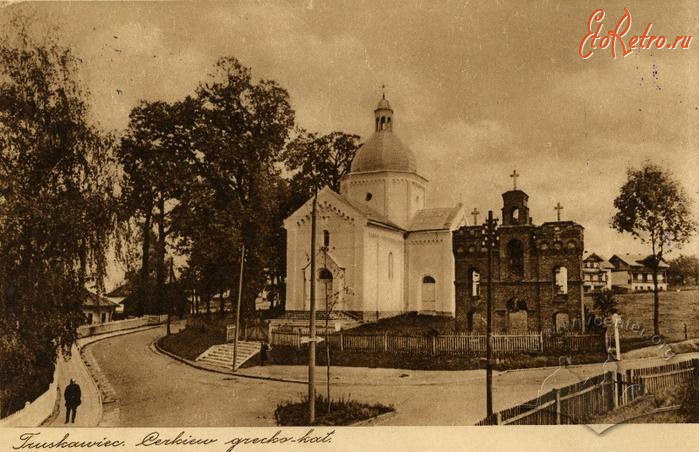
x: 428, y: 294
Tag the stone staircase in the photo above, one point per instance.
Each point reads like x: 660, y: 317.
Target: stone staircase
x: 221, y: 355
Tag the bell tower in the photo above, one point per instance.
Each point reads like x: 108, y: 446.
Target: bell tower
x: 514, y: 205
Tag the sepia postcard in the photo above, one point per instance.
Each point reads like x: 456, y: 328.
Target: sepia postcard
x: 349, y: 225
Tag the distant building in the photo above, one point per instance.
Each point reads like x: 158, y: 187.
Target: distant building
x: 98, y: 309
x: 632, y: 274
x: 597, y: 273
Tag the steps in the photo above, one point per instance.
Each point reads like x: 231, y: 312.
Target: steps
x: 221, y: 355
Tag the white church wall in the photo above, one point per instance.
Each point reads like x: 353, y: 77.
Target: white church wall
x: 366, y: 189
x: 406, y: 192
x: 383, y: 282
x: 345, y: 250
x: 430, y: 254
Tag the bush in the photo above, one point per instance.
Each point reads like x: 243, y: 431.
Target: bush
x: 342, y: 411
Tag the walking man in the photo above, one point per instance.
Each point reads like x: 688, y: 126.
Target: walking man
x: 72, y: 398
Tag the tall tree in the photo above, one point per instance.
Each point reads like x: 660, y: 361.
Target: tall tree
x: 157, y: 154
x: 56, y: 207
x: 316, y: 161
x: 244, y: 127
x: 653, y: 207
x: 683, y: 270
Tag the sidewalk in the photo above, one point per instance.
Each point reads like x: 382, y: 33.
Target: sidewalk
x: 89, y: 413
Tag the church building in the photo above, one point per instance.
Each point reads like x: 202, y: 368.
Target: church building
x: 381, y: 249
x: 536, y: 272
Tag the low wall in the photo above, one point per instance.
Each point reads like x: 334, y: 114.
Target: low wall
x: 91, y: 330
x: 35, y: 413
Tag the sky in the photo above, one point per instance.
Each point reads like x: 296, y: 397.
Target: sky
x: 478, y: 89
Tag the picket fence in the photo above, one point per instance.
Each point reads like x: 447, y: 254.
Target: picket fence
x: 452, y: 344
x: 576, y: 403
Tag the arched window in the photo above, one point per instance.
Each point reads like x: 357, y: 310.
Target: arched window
x: 474, y: 281
x: 326, y: 239
x: 560, y: 280
x: 325, y: 275
x: 515, y: 215
x: 561, y: 322
x: 515, y: 255
x: 390, y: 265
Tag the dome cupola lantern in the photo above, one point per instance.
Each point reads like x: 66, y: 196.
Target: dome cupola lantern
x: 383, y: 115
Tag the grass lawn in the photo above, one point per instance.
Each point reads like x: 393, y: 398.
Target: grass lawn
x: 190, y: 343
x: 676, y: 310
x: 687, y: 396
x: 411, y: 324
x: 342, y: 412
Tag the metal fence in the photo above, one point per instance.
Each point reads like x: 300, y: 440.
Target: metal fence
x: 576, y: 403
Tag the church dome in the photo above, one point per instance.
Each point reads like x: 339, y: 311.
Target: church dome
x: 384, y: 151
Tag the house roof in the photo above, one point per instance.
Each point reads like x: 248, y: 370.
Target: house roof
x: 636, y: 260
x: 434, y: 219
x: 92, y: 299
x: 603, y: 263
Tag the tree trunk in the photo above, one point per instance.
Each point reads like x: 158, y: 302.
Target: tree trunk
x: 143, y: 282
x: 656, y: 302
x: 160, y: 264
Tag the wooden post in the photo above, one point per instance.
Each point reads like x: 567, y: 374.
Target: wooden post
x: 557, y: 393
x: 298, y: 339
x: 385, y: 342
x: 498, y: 418
x: 434, y: 344
x: 615, y: 389
x: 237, y: 308
x: 541, y: 341
x: 342, y: 341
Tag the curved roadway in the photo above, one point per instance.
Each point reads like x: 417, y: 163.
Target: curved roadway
x: 155, y: 390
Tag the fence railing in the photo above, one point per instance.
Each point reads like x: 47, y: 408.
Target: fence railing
x: 455, y: 344
x: 576, y: 403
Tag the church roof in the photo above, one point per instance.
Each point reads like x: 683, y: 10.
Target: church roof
x: 371, y: 214
x: 384, y: 152
x: 434, y: 219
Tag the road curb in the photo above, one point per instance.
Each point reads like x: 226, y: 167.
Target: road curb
x: 156, y: 348
x: 370, y: 421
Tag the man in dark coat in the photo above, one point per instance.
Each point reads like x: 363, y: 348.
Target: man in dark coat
x: 72, y: 397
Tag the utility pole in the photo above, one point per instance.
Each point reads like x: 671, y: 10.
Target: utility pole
x: 489, y: 242
x: 237, y: 308
x: 312, y: 326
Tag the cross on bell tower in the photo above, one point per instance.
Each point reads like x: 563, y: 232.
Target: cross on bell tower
x: 475, y: 213
x: 558, y: 209
x: 514, y: 177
